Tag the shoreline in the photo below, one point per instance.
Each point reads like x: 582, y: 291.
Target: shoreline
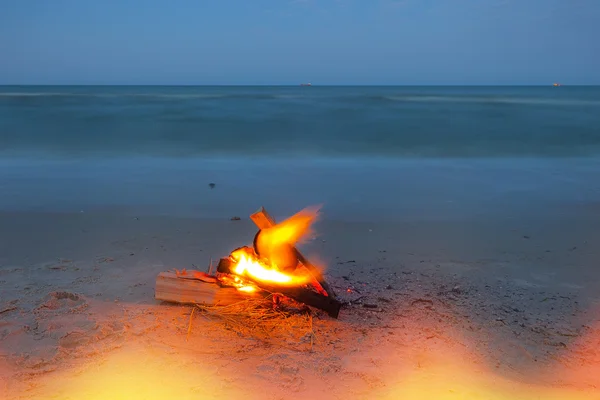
x: 45, y: 157
x: 376, y: 190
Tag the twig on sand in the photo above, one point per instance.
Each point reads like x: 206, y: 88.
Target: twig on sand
x: 7, y: 310
x: 190, y: 324
x: 420, y: 300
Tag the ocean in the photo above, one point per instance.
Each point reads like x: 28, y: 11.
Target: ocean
x: 314, y: 121
x: 385, y: 152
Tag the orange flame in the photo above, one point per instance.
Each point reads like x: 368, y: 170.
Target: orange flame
x: 247, y: 264
x: 276, y: 243
x: 277, y: 262
x: 247, y: 289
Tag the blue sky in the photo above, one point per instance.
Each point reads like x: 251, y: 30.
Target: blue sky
x: 293, y: 41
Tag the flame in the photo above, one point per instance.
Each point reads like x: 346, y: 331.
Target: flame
x: 250, y: 266
x: 276, y: 262
x: 247, y: 289
x: 277, y: 242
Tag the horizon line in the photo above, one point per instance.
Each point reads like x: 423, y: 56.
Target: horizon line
x: 291, y: 85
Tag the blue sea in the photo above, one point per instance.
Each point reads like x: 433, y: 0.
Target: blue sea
x: 393, y: 122
x: 371, y: 151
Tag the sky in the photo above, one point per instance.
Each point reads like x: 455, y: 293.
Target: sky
x: 325, y: 42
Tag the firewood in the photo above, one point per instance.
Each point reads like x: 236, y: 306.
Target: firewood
x: 301, y: 294
x: 263, y: 220
x: 171, y: 288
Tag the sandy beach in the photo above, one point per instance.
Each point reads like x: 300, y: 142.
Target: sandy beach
x: 452, y: 149
x: 466, y: 308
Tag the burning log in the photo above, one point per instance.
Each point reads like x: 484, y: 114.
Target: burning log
x: 188, y: 289
x: 263, y: 220
x: 301, y: 294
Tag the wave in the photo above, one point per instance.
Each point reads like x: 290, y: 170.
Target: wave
x: 159, y: 96
x: 488, y: 100
x: 332, y: 98
x: 36, y: 94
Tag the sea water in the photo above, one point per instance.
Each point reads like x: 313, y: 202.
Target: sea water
x: 363, y: 152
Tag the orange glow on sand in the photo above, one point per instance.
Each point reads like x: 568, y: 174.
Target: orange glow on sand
x: 443, y: 372
x: 439, y: 370
x: 140, y: 373
x: 454, y: 381
x: 584, y: 369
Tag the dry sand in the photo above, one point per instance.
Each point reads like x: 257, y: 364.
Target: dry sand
x: 465, y: 309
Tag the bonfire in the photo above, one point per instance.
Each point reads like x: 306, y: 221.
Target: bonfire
x: 258, y: 283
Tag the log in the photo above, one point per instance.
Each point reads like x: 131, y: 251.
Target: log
x: 263, y: 220
x: 306, y: 296
x: 301, y: 294
x: 183, y: 290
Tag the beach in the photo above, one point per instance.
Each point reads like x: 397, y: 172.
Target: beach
x: 468, y: 264
x: 495, y: 304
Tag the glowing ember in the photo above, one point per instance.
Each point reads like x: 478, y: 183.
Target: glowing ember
x: 247, y: 289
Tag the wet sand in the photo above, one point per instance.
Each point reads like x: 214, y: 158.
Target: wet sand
x: 482, y: 307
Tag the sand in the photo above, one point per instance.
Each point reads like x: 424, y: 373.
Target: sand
x: 465, y: 309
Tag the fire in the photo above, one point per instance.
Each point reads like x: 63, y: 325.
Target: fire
x: 277, y: 242
x: 275, y: 260
x: 247, y: 289
x: 247, y: 264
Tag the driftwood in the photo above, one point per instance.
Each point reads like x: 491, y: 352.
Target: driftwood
x: 185, y: 290
x: 299, y: 293
x: 263, y: 220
